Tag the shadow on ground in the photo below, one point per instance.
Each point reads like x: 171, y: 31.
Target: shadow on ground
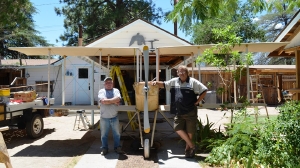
x: 57, y: 148
x: 17, y: 137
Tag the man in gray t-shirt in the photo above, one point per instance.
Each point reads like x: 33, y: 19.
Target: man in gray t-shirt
x: 109, y: 99
x: 186, y: 93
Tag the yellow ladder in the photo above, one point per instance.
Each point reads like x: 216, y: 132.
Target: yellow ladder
x: 117, y: 70
x: 256, y: 90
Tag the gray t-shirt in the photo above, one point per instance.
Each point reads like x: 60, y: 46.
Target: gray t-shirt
x: 108, y: 110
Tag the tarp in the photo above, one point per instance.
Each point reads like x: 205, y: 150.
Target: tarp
x: 77, y: 51
x: 243, y: 47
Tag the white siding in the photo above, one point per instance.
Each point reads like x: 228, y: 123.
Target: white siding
x: 41, y: 74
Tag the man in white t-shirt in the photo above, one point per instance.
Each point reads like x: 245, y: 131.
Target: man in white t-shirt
x: 109, y: 99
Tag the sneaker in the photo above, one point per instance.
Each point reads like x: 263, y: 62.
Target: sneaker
x: 119, y: 150
x: 187, y: 153
x: 104, y: 152
x: 192, y: 152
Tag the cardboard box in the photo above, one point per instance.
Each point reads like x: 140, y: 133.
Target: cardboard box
x: 27, y: 96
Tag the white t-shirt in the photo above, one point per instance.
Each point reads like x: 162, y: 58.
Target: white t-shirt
x: 108, y: 110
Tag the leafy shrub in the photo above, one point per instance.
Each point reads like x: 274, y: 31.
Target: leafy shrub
x: 238, y: 147
x: 275, y: 143
x: 206, y: 135
x: 279, y: 144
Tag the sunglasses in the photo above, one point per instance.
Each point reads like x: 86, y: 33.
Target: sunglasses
x: 180, y: 72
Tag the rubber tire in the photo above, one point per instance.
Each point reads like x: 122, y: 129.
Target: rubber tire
x: 35, y: 127
x: 146, y: 148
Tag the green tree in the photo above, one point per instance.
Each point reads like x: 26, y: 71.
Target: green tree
x: 17, y: 27
x: 241, y: 22
x: 188, y: 12
x: 222, y: 56
x: 101, y: 16
x: 273, y: 22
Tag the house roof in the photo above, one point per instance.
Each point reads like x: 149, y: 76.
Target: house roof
x: 123, y: 36
x: 135, y: 20
x: 289, y: 34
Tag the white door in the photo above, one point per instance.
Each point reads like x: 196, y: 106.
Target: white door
x: 82, y: 86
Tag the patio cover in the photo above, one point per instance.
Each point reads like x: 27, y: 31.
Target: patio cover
x: 77, y: 51
x: 243, y: 47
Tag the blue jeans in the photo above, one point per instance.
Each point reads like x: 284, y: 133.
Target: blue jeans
x: 105, y: 125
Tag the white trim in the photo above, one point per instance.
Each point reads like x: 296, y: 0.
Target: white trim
x: 288, y: 28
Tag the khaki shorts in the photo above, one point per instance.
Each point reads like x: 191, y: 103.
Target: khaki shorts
x: 186, y: 122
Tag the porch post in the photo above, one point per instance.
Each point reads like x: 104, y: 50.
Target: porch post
x: 48, y: 94
x: 297, y: 56
x: 157, y: 64
x: 193, y: 64
x: 234, y: 83
x: 199, y: 67
x: 63, y: 80
x: 100, y: 72
x: 92, y: 81
x: 248, y: 82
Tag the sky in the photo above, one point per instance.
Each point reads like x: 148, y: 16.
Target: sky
x: 51, y: 26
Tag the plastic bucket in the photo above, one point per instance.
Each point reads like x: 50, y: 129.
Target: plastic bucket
x: 4, y: 92
x: 140, y: 96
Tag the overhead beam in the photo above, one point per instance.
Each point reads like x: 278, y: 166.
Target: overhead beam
x: 297, y: 30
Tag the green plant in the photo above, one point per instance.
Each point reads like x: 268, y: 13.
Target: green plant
x: 206, y: 134
x: 223, y: 57
x: 272, y: 143
x: 241, y: 143
x: 279, y: 144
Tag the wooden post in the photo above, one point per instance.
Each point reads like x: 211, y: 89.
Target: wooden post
x: 297, y: 56
x: 279, y: 87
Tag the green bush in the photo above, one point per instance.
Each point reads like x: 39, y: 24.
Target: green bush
x: 279, y: 145
x: 206, y: 135
x: 238, y: 147
x: 274, y: 143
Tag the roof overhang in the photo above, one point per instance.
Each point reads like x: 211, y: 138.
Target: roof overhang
x: 197, y: 49
x: 289, y: 34
x: 171, y: 56
x: 77, y: 51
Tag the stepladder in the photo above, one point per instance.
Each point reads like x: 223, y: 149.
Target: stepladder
x: 256, y: 92
x: 116, y: 70
x: 81, y: 117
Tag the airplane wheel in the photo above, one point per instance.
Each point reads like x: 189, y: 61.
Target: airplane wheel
x: 146, y: 148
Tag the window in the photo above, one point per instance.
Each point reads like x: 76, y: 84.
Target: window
x: 103, y: 77
x: 83, y: 73
x: 42, y: 86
